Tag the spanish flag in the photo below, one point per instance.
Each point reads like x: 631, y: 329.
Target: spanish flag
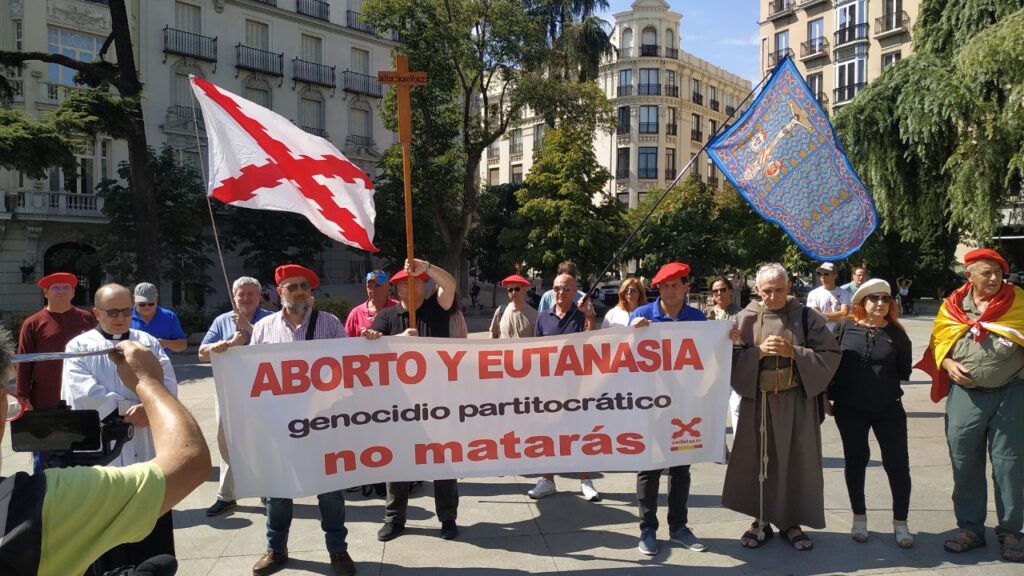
x: 1004, y: 316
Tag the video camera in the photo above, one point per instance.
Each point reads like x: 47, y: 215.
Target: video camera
x: 71, y: 437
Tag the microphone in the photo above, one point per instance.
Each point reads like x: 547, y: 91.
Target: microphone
x: 162, y: 565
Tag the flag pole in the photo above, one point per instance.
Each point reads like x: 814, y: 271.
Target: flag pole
x: 209, y: 206
x: 686, y: 168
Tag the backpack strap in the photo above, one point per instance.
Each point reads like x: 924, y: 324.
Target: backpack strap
x: 311, y: 327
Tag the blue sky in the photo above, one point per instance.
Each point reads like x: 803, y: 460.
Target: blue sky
x: 723, y: 32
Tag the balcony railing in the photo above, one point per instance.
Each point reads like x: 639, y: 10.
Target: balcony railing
x: 58, y: 203
x: 647, y: 173
x: 17, y: 89
x: 624, y: 91
x: 854, y: 33
x: 672, y: 91
x: 515, y: 147
x: 622, y: 129
x: 713, y: 181
x: 696, y: 135
x: 808, y: 3
x: 650, y: 50
x: 648, y: 127
x: 730, y: 110
x: 313, y: 73
x: 53, y: 93
x: 670, y: 174
x: 357, y: 21
x: 314, y: 8
x: 626, y: 52
x: 893, y: 23
x: 249, y: 58
x: 315, y: 131
x: 671, y: 129
x: 622, y: 172
x: 714, y: 104
x: 649, y: 89
x: 364, y: 141
x: 844, y: 94
x: 493, y: 160
x: 698, y: 98
x: 814, y: 47
x: 780, y: 8
x: 357, y: 83
x: 189, y: 44
x: 185, y: 112
x: 777, y: 56
x: 268, y: 2
x: 672, y: 53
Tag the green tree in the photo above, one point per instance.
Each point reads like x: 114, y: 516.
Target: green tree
x: 495, y: 245
x: 939, y: 137
x: 565, y: 212
x: 33, y: 145
x: 94, y: 110
x: 181, y: 236
x: 266, y: 239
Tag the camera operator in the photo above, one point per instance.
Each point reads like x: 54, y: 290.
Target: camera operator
x: 60, y: 521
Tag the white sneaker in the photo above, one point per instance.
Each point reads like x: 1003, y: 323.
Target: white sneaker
x: 544, y: 487
x: 590, y: 493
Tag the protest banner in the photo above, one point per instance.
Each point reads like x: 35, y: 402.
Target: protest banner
x: 305, y: 418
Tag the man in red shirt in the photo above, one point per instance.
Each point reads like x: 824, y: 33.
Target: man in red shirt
x: 49, y: 330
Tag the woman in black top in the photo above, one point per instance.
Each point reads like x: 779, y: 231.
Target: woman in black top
x: 866, y: 396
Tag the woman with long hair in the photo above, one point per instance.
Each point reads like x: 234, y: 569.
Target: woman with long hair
x: 865, y: 395
x: 631, y: 295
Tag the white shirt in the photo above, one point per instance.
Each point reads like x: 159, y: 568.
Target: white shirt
x: 828, y: 301
x: 92, y: 383
x: 615, y: 317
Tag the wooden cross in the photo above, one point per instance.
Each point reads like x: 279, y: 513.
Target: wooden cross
x: 402, y: 78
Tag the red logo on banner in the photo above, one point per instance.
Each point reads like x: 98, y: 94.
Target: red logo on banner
x: 684, y: 429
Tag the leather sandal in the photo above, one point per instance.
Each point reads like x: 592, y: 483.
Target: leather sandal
x: 798, y: 538
x: 1011, y: 548
x: 757, y: 535
x: 963, y: 541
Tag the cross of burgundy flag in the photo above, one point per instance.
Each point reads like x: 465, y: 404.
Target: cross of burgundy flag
x: 259, y: 159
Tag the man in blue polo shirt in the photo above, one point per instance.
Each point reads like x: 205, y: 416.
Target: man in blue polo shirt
x: 157, y: 321
x: 673, y: 283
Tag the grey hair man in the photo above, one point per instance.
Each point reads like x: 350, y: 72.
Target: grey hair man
x: 232, y: 328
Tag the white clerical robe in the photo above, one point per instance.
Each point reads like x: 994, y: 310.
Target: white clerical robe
x: 92, y: 383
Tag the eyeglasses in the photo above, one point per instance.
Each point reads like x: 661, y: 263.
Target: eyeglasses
x: 145, y: 304
x: 513, y: 289
x: 116, y: 312
x: 883, y: 298
x: 293, y: 287
x: 558, y: 289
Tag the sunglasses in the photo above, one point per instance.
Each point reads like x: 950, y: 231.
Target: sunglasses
x: 558, y: 289
x: 293, y: 287
x: 145, y: 304
x: 876, y: 298
x: 116, y: 312
x: 513, y: 289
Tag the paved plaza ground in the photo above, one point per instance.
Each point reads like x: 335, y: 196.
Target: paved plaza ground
x: 505, y: 533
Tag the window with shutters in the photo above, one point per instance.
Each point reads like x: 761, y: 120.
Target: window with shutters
x: 257, y: 35
x: 258, y: 94
x: 360, y: 61
x: 311, y: 113
x: 360, y: 120
x: 312, y: 49
x: 188, y: 17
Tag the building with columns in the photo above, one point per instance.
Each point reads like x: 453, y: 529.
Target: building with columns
x: 311, y: 61
x: 668, y: 105
x: 838, y: 45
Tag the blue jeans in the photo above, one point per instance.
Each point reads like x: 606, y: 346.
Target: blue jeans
x: 38, y: 461
x: 332, y: 521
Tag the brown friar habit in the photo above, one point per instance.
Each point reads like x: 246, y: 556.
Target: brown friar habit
x: 794, y: 488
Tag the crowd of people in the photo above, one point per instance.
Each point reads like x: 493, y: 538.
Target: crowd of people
x: 844, y: 354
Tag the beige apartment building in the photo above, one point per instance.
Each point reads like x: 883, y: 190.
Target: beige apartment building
x: 313, y: 62
x: 838, y: 45
x: 668, y: 105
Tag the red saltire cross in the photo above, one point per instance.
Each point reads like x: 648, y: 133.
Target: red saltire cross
x: 284, y: 165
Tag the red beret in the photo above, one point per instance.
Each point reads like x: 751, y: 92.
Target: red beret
x: 293, y: 270
x: 402, y: 276
x: 58, y: 278
x: 671, y: 271
x: 515, y: 279
x: 985, y: 254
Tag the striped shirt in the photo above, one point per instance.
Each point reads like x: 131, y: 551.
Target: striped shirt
x: 274, y: 329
